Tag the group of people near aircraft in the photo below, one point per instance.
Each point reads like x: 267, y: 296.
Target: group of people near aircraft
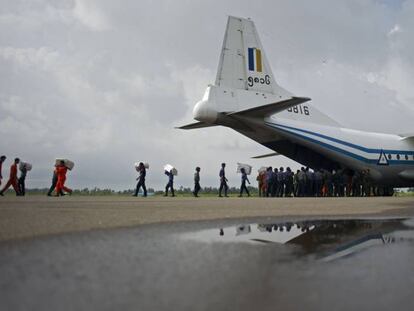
x: 171, y: 172
x: 314, y: 183
x: 277, y: 182
x: 18, y: 182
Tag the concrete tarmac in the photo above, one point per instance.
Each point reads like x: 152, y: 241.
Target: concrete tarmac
x: 34, y: 216
x: 170, y: 267
x: 120, y: 253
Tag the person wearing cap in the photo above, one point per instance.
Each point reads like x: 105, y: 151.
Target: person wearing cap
x: 2, y: 159
x: 170, y: 184
x: 223, y: 181
x: 141, y: 179
x: 12, y: 179
x: 197, y: 186
x: 243, y: 182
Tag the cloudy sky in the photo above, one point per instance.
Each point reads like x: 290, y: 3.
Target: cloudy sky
x: 104, y: 82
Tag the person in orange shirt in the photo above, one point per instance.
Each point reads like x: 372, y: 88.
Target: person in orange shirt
x: 12, y: 179
x: 54, y: 183
x: 61, y: 171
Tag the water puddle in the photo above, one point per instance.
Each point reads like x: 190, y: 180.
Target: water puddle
x: 329, y: 239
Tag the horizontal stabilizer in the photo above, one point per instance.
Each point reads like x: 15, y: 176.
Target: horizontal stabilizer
x: 270, y: 109
x: 273, y: 154
x: 408, y: 137
x: 196, y: 125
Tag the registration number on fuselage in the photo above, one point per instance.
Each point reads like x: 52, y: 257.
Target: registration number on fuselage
x: 299, y: 109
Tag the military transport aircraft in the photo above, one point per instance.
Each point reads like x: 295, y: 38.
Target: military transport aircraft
x: 247, y: 99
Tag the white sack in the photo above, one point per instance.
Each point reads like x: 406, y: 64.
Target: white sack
x: 169, y: 167
x: 68, y: 163
x: 247, y: 168
x: 146, y: 165
x: 28, y: 166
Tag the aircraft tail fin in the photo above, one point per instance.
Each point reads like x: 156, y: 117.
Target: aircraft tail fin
x: 243, y: 62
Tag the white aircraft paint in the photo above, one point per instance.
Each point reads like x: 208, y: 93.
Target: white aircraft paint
x: 246, y: 98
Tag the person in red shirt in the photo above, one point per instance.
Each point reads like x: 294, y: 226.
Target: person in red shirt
x: 2, y: 159
x: 12, y: 179
x: 61, y: 171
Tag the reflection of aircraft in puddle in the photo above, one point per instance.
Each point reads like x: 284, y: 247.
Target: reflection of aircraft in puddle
x: 337, y: 239
x: 332, y: 239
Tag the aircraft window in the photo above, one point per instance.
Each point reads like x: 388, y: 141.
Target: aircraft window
x: 398, y: 156
x: 389, y: 157
x: 406, y: 157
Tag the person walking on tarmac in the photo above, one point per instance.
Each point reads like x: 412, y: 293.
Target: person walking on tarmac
x: 2, y: 159
x: 196, y: 182
x: 243, y: 182
x: 61, y: 171
x: 141, y: 180
x: 22, y: 179
x: 54, y: 182
x: 170, y: 184
x: 269, y: 181
x: 223, y: 181
x: 12, y: 179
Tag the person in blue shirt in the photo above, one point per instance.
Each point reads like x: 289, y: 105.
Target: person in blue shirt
x: 21, y: 180
x: 170, y: 184
x: 223, y: 181
x: 269, y: 181
x: 243, y: 182
x: 280, y: 182
x: 197, y: 186
x: 141, y: 179
x: 275, y: 183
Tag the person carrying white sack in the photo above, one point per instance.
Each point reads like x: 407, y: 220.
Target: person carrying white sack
x: 24, y: 168
x: 141, y: 179
x: 170, y: 184
x: 243, y: 184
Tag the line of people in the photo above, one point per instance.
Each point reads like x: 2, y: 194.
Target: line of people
x: 271, y: 182
x: 317, y: 183
x: 141, y: 169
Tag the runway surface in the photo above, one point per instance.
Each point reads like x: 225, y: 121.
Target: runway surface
x: 280, y: 263
x: 34, y: 216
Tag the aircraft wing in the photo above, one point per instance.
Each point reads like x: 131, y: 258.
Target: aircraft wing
x: 268, y: 110
x: 196, y: 125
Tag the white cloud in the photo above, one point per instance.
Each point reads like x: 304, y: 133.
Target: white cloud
x: 90, y: 14
x: 395, y: 30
